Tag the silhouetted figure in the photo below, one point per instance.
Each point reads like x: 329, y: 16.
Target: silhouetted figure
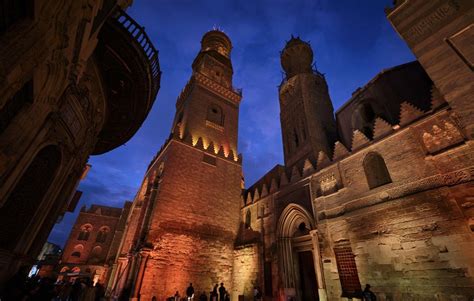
x: 99, y: 292
x: 190, y: 292
x: 176, y: 296
x: 368, y: 295
x: 227, y: 296
x: 76, y: 291
x: 214, y: 296
x: 222, y: 292
x: 203, y: 297
x: 257, y: 295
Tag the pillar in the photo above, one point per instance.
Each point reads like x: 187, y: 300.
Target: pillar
x: 318, y: 267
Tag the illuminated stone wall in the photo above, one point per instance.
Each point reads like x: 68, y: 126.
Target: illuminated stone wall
x: 194, y: 223
x: 246, y: 271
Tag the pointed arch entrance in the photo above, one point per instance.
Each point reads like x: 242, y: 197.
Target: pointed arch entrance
x: 298, y: 253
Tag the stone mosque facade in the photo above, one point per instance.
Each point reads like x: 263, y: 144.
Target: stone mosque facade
x: 380, y: 192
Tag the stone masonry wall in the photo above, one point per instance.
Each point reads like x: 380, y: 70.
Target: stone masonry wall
x: 246, y: 271
x: 194, y: 223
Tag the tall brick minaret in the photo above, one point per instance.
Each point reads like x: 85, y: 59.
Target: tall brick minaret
x: 186, y: 216
x: 306, y: 112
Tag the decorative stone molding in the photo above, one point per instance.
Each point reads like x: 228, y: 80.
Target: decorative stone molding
x: 340, y: 151
x: 428, y: 183
x: 328, y: 184
x: 381, y: 127
x: 409, y: 113
x: 440, y: 138
x: 359, y: 140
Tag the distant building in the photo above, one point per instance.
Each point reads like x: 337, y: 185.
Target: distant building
x: 93, y: 243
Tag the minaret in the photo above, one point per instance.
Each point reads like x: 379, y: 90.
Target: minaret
x: 209, y: 106
x: 306, y: 112
x: 185, y: 223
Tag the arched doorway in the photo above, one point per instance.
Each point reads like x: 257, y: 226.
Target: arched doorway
x: 296, y: 257
x: 27, y: 196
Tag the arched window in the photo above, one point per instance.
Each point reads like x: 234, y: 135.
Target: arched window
x: 21, y: 206
x: 102, y: 235
x: 85, y: 232
x: 64, y: 270
x: 376, y: 171
x: 248, y: 219
x: 77, y: 251
x: 76, y: 270
x: 215, y: 114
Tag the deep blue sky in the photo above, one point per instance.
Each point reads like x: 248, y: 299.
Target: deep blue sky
x: 352, y: 41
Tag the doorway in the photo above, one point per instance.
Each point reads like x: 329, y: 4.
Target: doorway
x: 308, y: 282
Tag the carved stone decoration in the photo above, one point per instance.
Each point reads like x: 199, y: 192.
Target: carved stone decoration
x: 264, y: 191
x: 437, y: 99
x: 273, y: 186
x: 339, y: 151
x: 359, y: 140
x: 323, y: 160
x: 256, y: 195
x: 295, y: 174
x: 283, y: 179
x: 307, y: 168
x: 328, y: 184
x: 409, y: 113
x: 440, y: 138
x: 381, y: 127
x: 249, y: 198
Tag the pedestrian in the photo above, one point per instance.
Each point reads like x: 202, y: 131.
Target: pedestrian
x: 222, y: 292
x: 190, y: 292
x: 176, y: 296
x: 203, y: 297
x: 368, y: 295
x: 227, y: 296
x: 214, y: 294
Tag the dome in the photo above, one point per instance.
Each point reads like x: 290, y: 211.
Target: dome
x: 218, y: 41
x: 296, y: 57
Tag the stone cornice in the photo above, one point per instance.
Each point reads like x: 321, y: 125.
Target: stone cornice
x: 400, y: 191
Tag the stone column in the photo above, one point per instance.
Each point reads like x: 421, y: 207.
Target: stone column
x: 287, y: 266
x: 318, y: 267
x: 143, y: 258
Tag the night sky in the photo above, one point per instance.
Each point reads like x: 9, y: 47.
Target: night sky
x: 352, y: 41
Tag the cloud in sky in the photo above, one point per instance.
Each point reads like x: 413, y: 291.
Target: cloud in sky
x: 352, y: 41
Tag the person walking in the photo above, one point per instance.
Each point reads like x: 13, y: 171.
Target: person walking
x: 368, y: 295
x: 190, y: 292
x: 222, y: 292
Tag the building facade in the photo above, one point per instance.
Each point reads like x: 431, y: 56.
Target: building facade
x: 378, y: 193
x: 390, y: 204
x: 66, y: 92
x: 93, y: 243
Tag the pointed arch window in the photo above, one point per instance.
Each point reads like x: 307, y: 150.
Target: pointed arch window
x: 376, y: 171
x: 85, y: 232
x: 77, y: 251
x: 102, y: 235
x: 248, y: 219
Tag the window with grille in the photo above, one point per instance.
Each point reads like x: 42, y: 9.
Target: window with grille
x: 347, y: 269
